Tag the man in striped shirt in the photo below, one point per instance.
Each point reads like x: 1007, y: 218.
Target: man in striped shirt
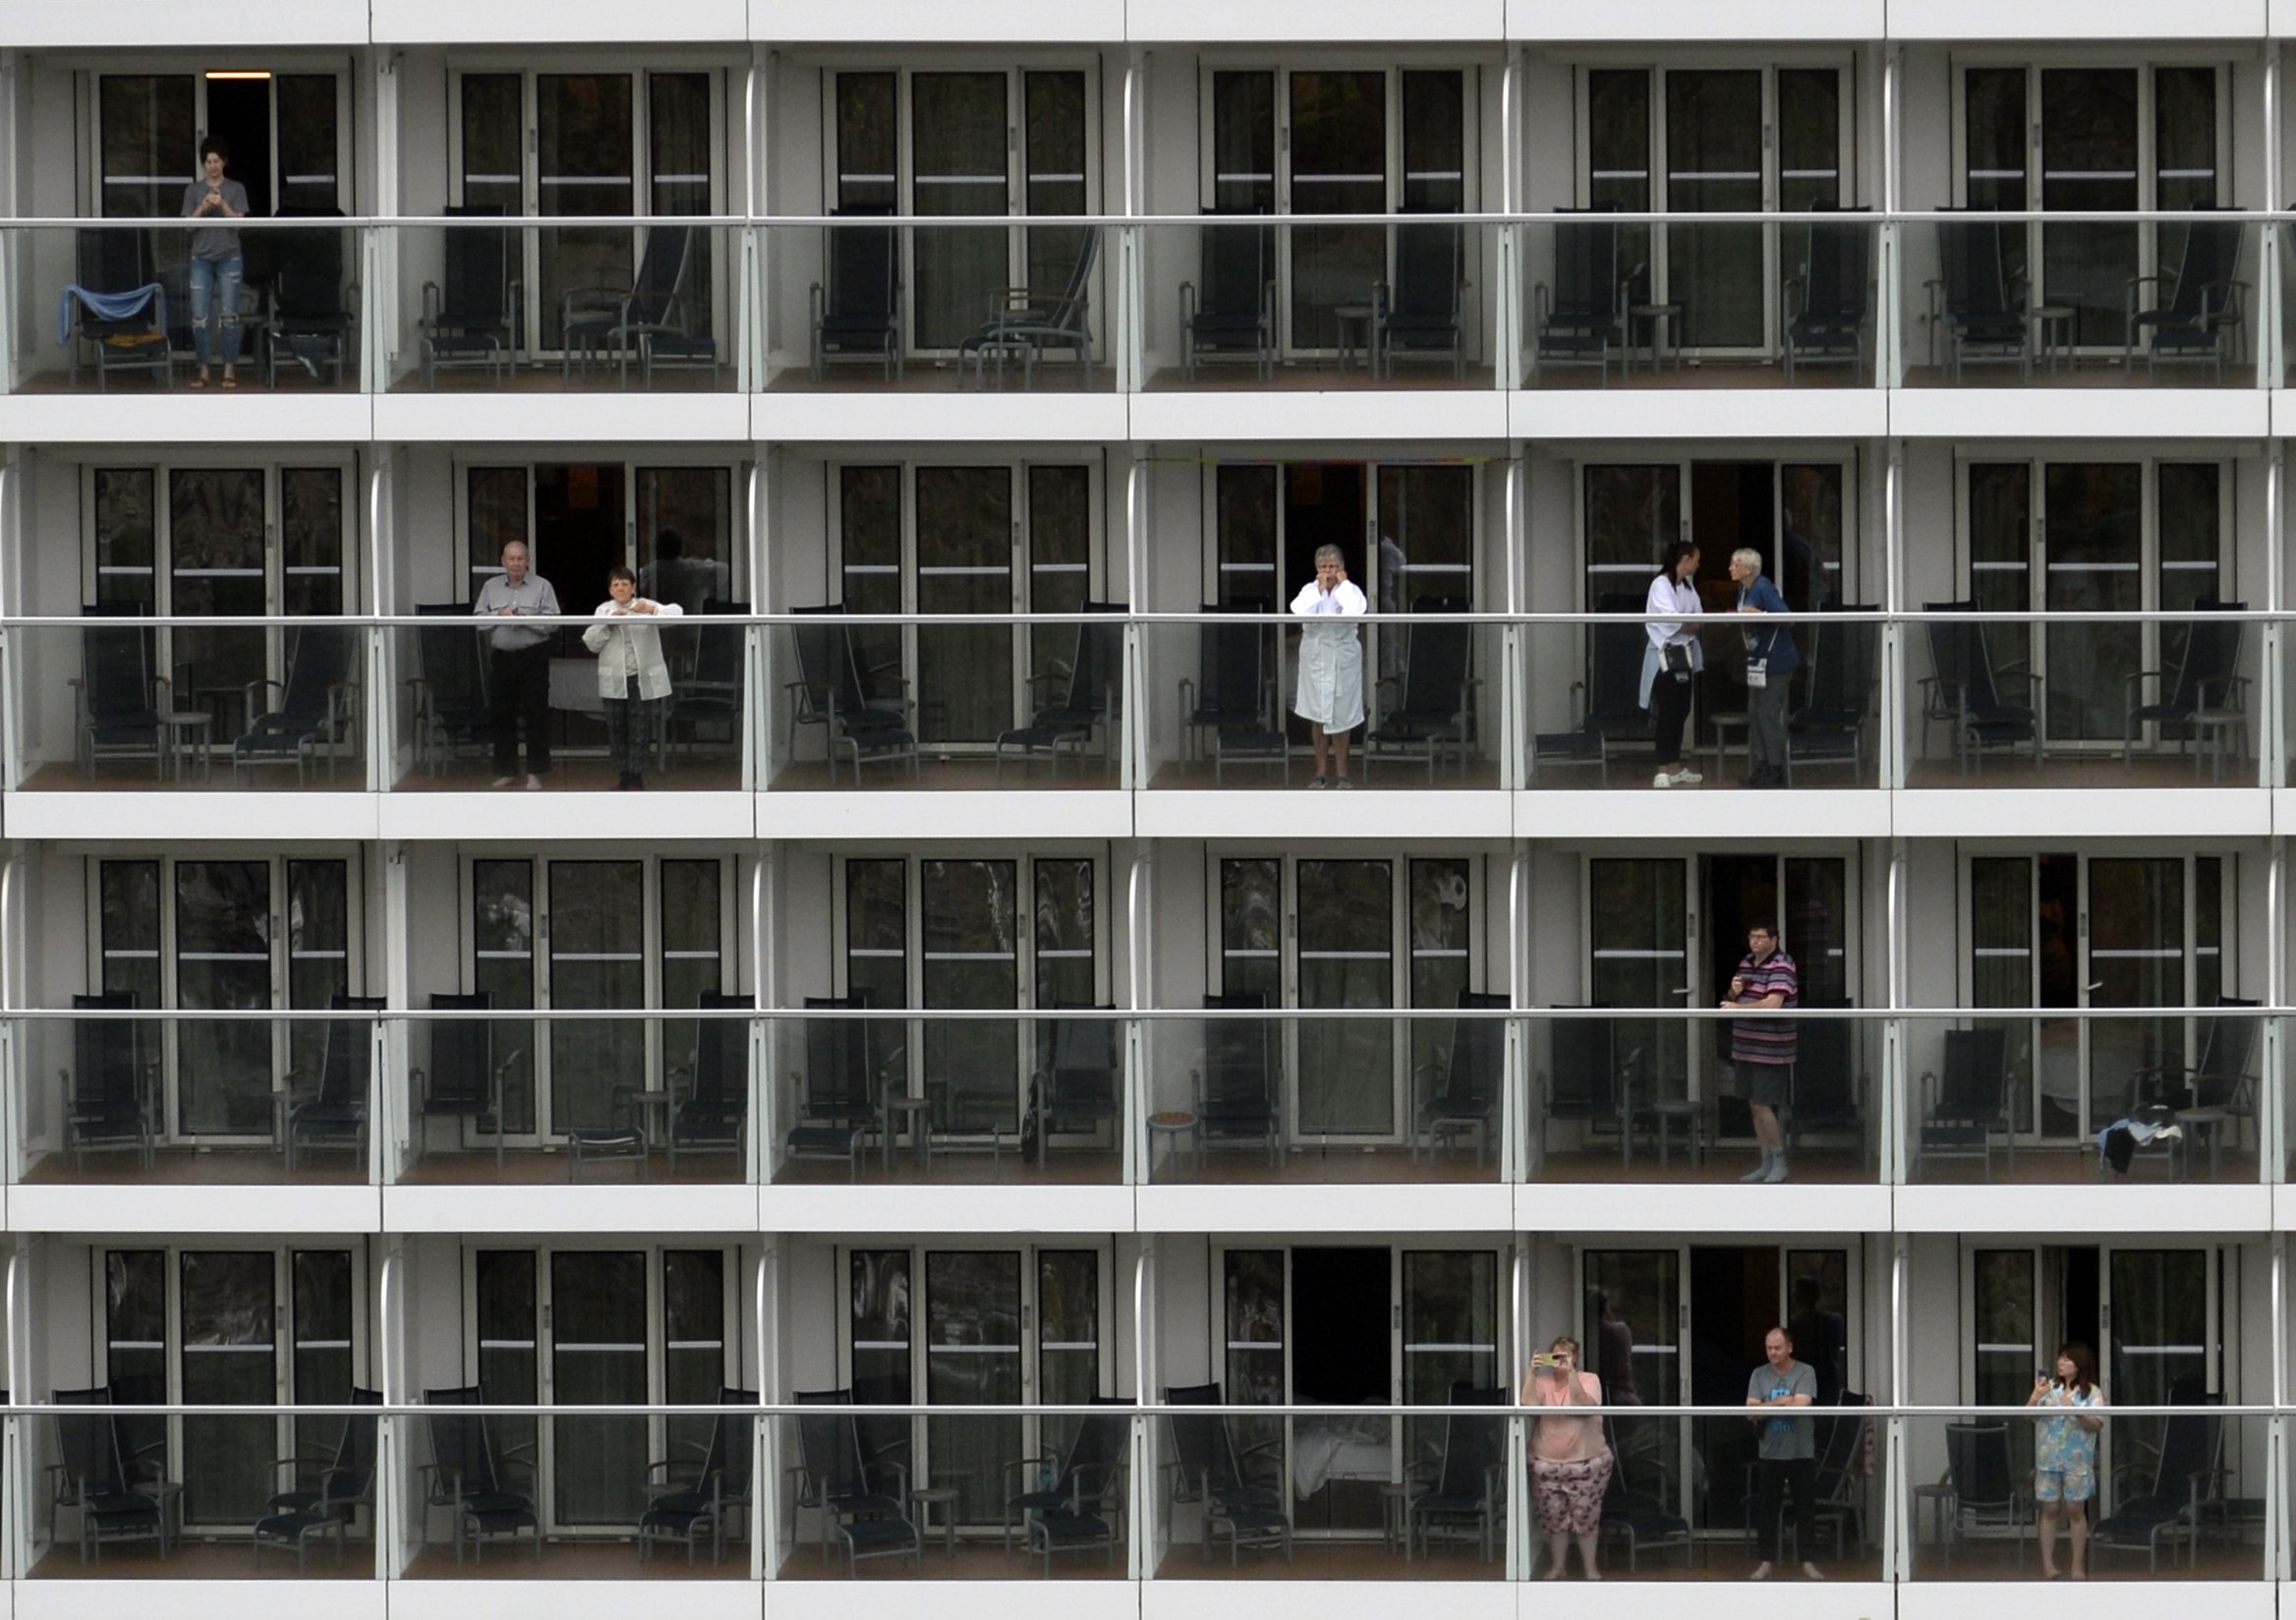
x: 1763, y: 1048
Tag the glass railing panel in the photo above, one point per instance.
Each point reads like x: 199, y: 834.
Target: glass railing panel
x: 2026, y: 302
x: 1813, y: 720
x: 1743, y: 304
x: 1416, y: 697
x: 2083, y: 700
x: 2056, y: 1095
x: 1618, y: 1095
x: 184, y: 706
x: 488, y: 304
x: 208, y: 1495
x: 1343, y: 1095
x: 110, y: 1096
x: 681, y: 725
x: 155, y: 305
x: 496, y: 1094
x: 861, y: 1095
x: 1248, y: 302
x: 2175, y: 1493
x: 867, y: 303
x: 994, y: 701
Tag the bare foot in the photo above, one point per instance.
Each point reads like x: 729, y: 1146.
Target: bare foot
x: 1554, y: 1572
x: 1594, y: 1574
x: 1810, y: 1572
x: 1762, y: 1570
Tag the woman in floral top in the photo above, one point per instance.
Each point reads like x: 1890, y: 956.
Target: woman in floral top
x: 2064, y: 1454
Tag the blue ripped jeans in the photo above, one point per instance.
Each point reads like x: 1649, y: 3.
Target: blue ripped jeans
x: 216, y: 289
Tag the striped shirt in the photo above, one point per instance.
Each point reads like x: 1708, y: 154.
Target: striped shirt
x: 1767, y: 1040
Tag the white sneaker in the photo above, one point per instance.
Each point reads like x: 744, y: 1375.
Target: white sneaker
x: 534, y: 784
x: 1662, y: 779
x: 1686, y: 773
x: 1777, y: 1169
x: 506, y: 781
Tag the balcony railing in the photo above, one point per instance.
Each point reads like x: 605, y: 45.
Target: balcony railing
x: 1944, y: 697
x: 823, y: 1487
x: 841, y: 1093
x: 1093, y: 304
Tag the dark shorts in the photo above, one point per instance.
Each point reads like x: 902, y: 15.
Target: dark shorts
x: 1767, y: 1085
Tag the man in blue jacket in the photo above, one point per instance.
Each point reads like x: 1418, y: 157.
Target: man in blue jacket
x: 1771, y: 658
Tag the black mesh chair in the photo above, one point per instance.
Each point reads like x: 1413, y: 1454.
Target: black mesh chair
x: 841, y: 1095
x: 1208, y: 1470
x: 116, y: 267
x: 319, y: 708
x: 616, y: 320
x: 1092, y: 678
x: 1467, y: 1492
x: 312, y: 315
x: 1418, y: 315
x: 1975, y: 303
x: 109, y: 1104
x: 2207, y: 681
x: 330, y: 1108
x: 464, y: 1078
x: 1468, y: 1098
x: 1827, y: 306
x: 119, y: 694
x: 1965, y: 688
x: 866, y: 1508
x: 1606, y: 706
x: 1229, y: 308
x: 346, y: 1484
x: 1986, y: 1493
x: 1083, y: 1505
x: 857, y: 311
x: 453, y: 713
x: 1231, y: 697
x: 1583, y: 1082
x: 2164, y: 1495
x: 1434, y: 707
x: 713, y: 1114
x: 93, y: 1478
x: 1580, y: 317
x: 688, y: 1498
x: 2200, y: 316
x: 1080, y: 1087
x: 1237, y: 1091
x: 828, y: 692
x: 1964, y: 1108
x: 466, y: 1475
x: 470, y: 316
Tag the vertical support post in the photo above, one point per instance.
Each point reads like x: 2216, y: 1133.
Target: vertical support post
x: 1139, y: 1480
x: 765, y: 1514
x: 1896, y: 1088
x: 1514, y: 639
x: 766, y: 1131
x: 1889, y: 319
x: 1897, y: 1549
x: 1892, y: 674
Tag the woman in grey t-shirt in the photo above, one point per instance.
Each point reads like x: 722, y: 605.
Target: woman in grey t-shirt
x: 217, y: 266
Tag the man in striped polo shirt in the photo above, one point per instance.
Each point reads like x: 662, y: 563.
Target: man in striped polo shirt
x: 1763, y: 1048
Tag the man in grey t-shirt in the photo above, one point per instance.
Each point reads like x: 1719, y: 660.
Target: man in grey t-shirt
x: 1786, y: 1450
x: 519, y: 677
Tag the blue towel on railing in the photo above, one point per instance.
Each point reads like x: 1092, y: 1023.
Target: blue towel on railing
x: 103, y: 306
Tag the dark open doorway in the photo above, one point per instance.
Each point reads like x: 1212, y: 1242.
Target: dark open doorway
x: 1340, y: 1356
x: 1323, y: 505
x: 238, y: 114
x: 578, y: 530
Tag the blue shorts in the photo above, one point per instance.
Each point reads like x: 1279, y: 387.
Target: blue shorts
x: 2077, y: 1484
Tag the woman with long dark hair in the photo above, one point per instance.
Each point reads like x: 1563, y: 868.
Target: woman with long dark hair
x: 2064, y: 1453
x: 1672, y: 659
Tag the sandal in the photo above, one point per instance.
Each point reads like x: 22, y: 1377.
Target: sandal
x: 230, y: 381
x: 1317, y: 781
x: 198, y: 380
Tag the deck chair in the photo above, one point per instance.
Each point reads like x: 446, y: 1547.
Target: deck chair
x: 1825, y: 1097
x: 1607, y: 705
x: 841, y: 1096
x: 1579, y: 319
x: 1083, y: 1086
x: 451, y: 710
x: 1469, y: 1099
x: 318, y: 710
x: 1229, y: 308
x: 1207, y: 1468
x: 1985, y: 1491
x: 1841, y: 1474
x: 857, y: 313
x: 2207, y: 677
x: 688, y: 1497
x: 1230, y: 696
x: 332, y: 1109
x: 1966, y: 1107
x: 2194, y: 315
x: 108, y: 1094
x: 466, y: 1475
x: 1082, y: 1507
x: 714, y: 694
x: 713, y: 1114
x: 1642, y: 1520
x: 1094, y: 676
x: 1418, y: 315
x: 1037, y: 321
x: 464, y: 1078
x: 1827, y: 306
x: 346, y: 1484
x: 2218, y: 1094
x: 93, y: 1477
x: 2165, y: 1497
x: 828, y: 692
x: 1434, y: 707
x: 1830, y: 729
x: 1469, y: 1492
x: 1974, y: 302
x: 618, y: 317
x: 1964, y: 689
x: 119, y: 694
x: 312, y: 312
x: 1237, y: 1089
x: 1583, y: 1082
x: 470, y: 317
x: 115, y: 312
x: 868, y: 1510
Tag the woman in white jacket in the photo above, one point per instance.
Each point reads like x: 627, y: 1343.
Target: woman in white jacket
x: 1331, y: 661
x: 631, y: 675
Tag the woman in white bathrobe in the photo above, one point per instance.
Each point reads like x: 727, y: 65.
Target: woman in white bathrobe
x: 1331, y: 662
x: 633, y: 677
